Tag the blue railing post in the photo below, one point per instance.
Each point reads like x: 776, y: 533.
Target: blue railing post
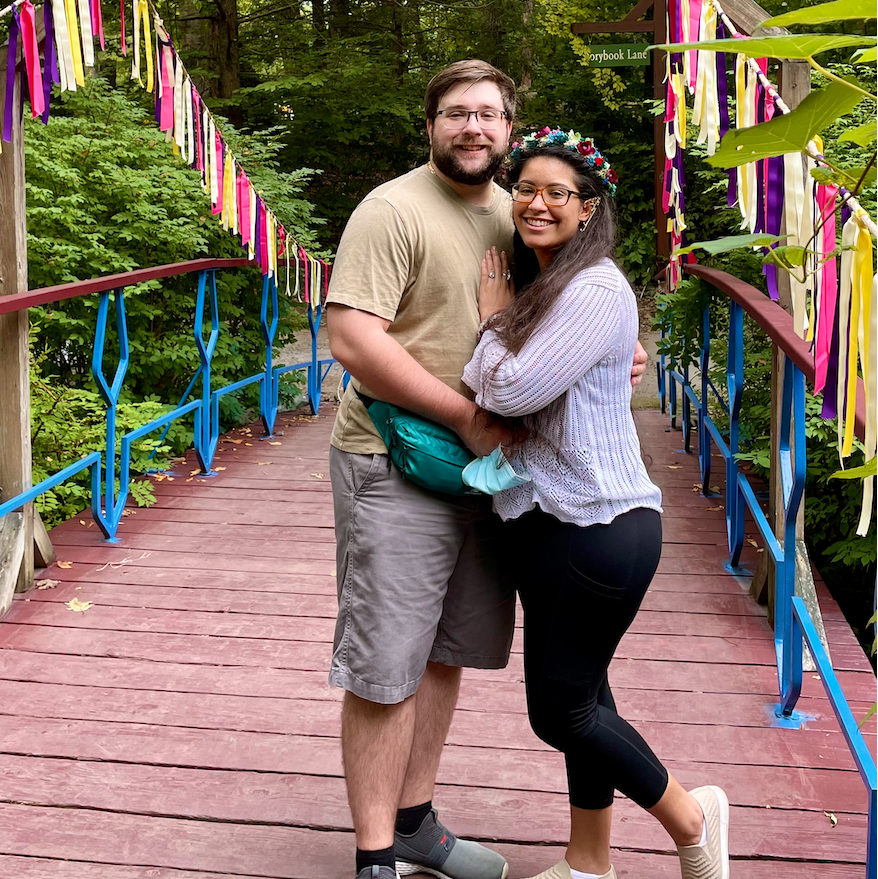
x: 703, y: 433
x: 735, y: 384
x: 207, y: 437
x: 270, y: 384
x: 791, y: 453
x: 108, y: 520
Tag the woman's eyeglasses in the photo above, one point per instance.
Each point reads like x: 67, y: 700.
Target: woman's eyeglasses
x: 556, y: 196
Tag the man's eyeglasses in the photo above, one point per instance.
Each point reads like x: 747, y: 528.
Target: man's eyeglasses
x: 457, y: 118
x: 556, y: 196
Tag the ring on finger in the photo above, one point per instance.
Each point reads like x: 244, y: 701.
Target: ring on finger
x: 506, y: 276
x: 491, y: 275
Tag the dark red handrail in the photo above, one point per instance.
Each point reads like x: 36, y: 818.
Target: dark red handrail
x: 778, y: 324
x: 71, y: 290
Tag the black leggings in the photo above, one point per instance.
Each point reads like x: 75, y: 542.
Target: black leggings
x: 581, y: 589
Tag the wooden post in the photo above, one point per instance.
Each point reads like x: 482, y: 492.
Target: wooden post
x: 15, y: 448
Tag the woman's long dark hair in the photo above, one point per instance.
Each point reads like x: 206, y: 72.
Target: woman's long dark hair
x: 537, y: 290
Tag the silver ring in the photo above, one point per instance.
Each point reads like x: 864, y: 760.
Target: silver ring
x: 491, y: 275
x: 507, y: 276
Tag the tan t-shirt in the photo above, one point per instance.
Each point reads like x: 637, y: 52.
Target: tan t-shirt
x: 411, y: 253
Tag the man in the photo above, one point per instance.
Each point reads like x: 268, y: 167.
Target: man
x: 420, y: 590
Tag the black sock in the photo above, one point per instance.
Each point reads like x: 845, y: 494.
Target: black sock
x: 383, y: 857
x: 409, y: 820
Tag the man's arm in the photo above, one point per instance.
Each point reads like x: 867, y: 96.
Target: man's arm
x: 359, y: 341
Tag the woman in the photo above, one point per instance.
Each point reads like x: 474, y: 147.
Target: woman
x: 558, y: 356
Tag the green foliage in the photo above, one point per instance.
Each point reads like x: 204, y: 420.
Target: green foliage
x: 787, y: 133
x: 732, y: 242
x: 837, y: 10
x: 68, y: 423
x: 802, y: 47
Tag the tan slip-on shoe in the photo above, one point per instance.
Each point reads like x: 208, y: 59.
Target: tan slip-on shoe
x: 561, y: 870
x: 711, y: 860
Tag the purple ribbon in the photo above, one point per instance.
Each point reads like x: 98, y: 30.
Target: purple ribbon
x: 50, y: 71
x: 828, y: 409
x: 760, y: 165
x: 257, y: 249
x: 11, y: 61
x: 774, y: 193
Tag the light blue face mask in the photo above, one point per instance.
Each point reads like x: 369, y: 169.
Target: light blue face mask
x: 492, y: 473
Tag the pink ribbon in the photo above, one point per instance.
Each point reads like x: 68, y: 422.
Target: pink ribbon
x: 32, y: 58
x: 97, y: 20
x: 196, y: 109
x: 828, y: 288
x: 262, y: 232
x: 122, y: 16
x: 243, y: 185
x: 166, y: 118
x: 220, y: 172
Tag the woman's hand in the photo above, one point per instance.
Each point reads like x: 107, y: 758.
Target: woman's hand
x: 495, y: 285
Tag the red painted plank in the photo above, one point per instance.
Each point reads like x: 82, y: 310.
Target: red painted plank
x: 481, y: 686
x: 135, y: 743
x: 287, y: 654
x: 80, y: 834
x: 525, y: 860
x: 756, y: 745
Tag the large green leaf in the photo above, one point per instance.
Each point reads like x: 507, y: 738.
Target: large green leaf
x: 868, y: 469
x: 801, y: 46
x: 723, y: 245
x: 863, y: 135
x: 789, y: 133
x: 838, y: 10
x: 865, y: 56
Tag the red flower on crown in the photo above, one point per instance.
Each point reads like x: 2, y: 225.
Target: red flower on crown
x: 599, y: 161
x: 543, y: 131
x: 613, y: 177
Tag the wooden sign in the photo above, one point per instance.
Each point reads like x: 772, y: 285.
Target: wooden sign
x: 620, y: 55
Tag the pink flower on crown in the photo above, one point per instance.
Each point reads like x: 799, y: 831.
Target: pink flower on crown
x: 585, y: 148
x: 515, y: 145
x: 612, y: 176
x: 543, y: 131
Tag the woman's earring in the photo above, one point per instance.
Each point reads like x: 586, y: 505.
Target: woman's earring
x: 585, y: 222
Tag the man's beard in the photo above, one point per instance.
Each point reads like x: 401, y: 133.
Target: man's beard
x: 446, y: 161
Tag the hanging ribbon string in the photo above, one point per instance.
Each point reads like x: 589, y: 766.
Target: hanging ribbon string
x: 71, y: 27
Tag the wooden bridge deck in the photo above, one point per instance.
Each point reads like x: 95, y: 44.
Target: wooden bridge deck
x: 181, y: 727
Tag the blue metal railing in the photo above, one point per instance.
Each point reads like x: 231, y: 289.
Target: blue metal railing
x: 107, y: 506
x: 792, y: 621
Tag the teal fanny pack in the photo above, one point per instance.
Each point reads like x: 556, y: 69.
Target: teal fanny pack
x: 426, y: 453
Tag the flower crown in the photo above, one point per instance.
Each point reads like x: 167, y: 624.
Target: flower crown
x: 571, y: 140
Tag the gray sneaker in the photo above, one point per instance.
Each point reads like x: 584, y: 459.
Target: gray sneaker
x: 377, y: 873
x: 434, y: 849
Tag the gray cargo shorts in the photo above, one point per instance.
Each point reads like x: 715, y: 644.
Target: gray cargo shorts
x: 420, y: 578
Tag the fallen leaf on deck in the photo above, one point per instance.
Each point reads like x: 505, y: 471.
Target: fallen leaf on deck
x: 46, y: 584
x: 714, y: 488
x: 275, y: 444
x: 714, y: 509
x: 832, y: 819
x: 248, y: 444
x: 752, y: 542
x: 82, y: 521
x: 195, y: 472
x: 77, y: 605
x: 65, y: 565
x: 674, y: 466
x: 263, y: 463
x: 128, y: 512
x: 334, y: 573
x: 816, y: 677
x: 317, y: 475
x: 218, y: 469
x: 158, y: 477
